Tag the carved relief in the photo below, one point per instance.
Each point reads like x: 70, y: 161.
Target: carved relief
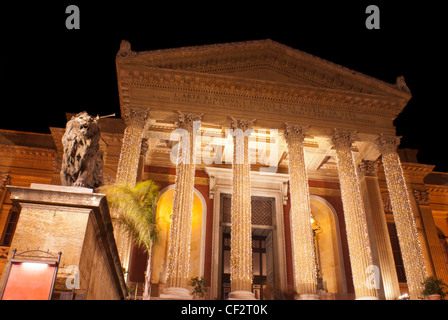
x: 5, y: 179
x: 422, y: 197
x: 125, y: 50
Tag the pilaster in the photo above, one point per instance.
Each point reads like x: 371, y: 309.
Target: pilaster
x: 382, y: 254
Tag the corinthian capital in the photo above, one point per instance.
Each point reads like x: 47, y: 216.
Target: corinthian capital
x: 186, y: 120
x: 242, y: 124
x: 387, y: 144
x: 136, y: 116
x: 368, y: 168
x: 295, y: 132
x: 343, y: 139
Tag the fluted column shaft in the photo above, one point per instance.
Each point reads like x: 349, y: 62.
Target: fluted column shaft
x: 411, y: 252
x: 304, y: 256
x: 354, y: 214
x: 178, y: 269
x: 241, y: 229
x: 127, y: 172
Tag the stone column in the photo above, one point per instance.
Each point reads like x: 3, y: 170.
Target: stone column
x: 304, y: 256
x: 355, y: 218
x: 414, y: 264
x: 432, y: 237
x: 178, y: 266
x: 135, y: 119
x: 382, y: 254
x: 241, y: 230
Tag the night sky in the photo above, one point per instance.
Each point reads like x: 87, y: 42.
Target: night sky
x: 47, y: 70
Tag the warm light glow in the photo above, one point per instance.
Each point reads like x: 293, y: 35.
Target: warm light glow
x: 164, y: 210
x: 34, y: 265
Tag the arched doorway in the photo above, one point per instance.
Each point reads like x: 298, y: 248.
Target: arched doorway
x: 328, y: 245
x: 160, y: 249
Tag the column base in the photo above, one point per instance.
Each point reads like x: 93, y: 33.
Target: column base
x: 241, y: 295
x: 367, y: 298
x: 175, y: 293
x: 308, y: 296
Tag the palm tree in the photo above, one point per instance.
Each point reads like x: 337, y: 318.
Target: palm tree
x: 137, y: 214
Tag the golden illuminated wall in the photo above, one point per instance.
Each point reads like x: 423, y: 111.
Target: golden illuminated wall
x: 327, y: 244
x: 159, y: 259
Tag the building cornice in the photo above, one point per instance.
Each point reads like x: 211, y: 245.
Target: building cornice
x: 286, y: 97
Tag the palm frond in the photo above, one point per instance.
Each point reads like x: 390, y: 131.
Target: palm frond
x: 136, y: 208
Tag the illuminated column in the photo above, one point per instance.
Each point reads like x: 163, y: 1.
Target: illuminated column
x: 377, y: 225
x: 305, y: 269
x: 135, y: 119
x: 432, y: 237
x: 355, y: 218
x: 414, y: 264
x: 178, y: 266
x: 241, y: 229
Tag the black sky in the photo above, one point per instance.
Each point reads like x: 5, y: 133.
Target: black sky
x: 47, y: 70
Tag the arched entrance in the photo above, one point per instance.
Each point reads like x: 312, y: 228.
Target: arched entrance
x: 328, y: 245
x: 160, y: 249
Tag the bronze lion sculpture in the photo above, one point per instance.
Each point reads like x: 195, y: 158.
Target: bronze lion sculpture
x: 82, y: 161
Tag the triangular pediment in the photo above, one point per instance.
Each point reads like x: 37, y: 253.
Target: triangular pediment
x: 264, y: 60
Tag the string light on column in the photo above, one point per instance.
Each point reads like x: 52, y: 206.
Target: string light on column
x: 241, y: 229
x: 135, y: 119
x: 354, y: 214
x: 410, y: 247
x: 178, y: 266
x: 305, y: 269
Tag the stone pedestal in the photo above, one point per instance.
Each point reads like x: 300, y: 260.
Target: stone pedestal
x: 241, y: 295
x: 176, y: 293
x: 76, y: 222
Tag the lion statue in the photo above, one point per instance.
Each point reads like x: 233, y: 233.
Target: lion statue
x: 82, y: 161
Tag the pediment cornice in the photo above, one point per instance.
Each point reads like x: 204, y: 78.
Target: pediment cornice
x: 298, y: 66
x: 189, y: 82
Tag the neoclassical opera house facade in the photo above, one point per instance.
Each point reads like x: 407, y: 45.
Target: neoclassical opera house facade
x: 279, y: 172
